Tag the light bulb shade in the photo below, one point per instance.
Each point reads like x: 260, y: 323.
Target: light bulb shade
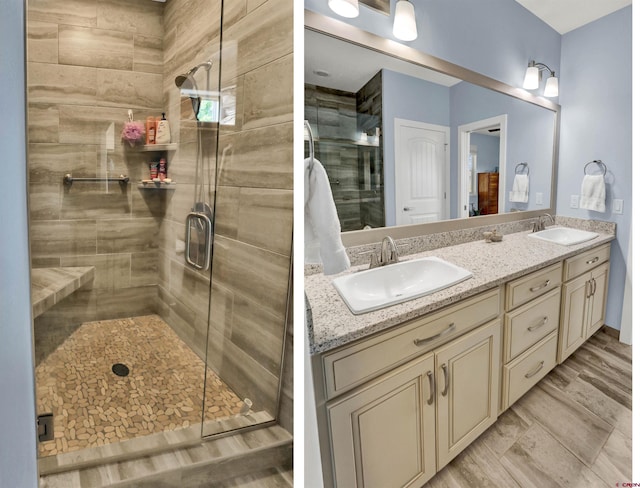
x: 551, y: 87
x: 531, y: 78
x: 345, y: 8
x: 404, y: 22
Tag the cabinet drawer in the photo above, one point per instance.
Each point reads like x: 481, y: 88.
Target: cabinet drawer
x: 586, y: 261
x: 533, y: 285
x: 528, y: 324
x: 520, y: 375
x: 353, y: 365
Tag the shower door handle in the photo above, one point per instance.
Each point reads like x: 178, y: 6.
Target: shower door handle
x: 202, y: 225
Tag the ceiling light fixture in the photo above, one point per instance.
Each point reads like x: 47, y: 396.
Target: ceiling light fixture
x: 404, y: 21
x: 345, y: 8
x: 533, y: 76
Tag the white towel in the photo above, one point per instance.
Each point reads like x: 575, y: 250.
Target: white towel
x: 593, y: 193
x: 520, y: 191
x: 322, y: 241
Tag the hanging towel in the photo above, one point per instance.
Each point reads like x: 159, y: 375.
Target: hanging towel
x: 520, y: 191
x: 593, y: 193
x: 322, y: 241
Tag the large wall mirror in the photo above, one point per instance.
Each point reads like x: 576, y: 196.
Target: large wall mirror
x: 413, y: 144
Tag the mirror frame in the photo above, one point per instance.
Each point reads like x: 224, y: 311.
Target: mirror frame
x: 345, y: 32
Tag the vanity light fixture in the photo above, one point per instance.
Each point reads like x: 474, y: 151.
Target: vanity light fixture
x: 533, y: 76
x: 345, y: 8
x: 404, y: 21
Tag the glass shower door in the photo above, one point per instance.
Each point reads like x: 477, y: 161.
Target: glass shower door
x: 253, y: 228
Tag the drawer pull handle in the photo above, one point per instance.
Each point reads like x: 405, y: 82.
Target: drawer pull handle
x: 589, y: 288
x: 536, y: 371
x: 595, y: 286
x: 540, y: 287
x: 594, y: 260
x: 448, y: 330
x: 446, y: 379
x: 544, y: 321
x: 432, y: 388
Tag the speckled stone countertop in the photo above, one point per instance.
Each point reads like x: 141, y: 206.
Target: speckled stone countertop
x: 50, y: 285
x: 331, y: 324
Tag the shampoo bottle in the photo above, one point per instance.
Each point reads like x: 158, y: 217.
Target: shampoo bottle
x: 151, y: 130
x: 163, y: 134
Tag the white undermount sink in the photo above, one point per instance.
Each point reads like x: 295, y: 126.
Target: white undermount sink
x: 564, y: 235
x: 377, y: 288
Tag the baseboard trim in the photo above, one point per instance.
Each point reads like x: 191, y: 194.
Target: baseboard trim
x: 610, y: 331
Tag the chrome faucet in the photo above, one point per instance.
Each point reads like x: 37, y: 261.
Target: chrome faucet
x: 538, y: 225
x: 388, y: 253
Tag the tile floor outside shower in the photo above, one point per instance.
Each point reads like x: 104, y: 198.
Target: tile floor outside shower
x: 163, y: 391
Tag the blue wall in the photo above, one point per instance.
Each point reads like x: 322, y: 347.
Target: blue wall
x: 488, y: 151
x: 493, y: 37
x: 428, y: 103
x: 17, y: 406
x: 595, y: 94
x: 529, y: 138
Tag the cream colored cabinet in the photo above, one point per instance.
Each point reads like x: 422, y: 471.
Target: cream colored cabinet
x: 384, y: 433
x: 584, y: 301
x: 468, y: 388
x: 531, y: 331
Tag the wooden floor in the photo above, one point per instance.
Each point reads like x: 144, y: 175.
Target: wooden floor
x: 573, y: 429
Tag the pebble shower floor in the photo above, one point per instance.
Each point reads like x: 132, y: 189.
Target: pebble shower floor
x: 92, y: 406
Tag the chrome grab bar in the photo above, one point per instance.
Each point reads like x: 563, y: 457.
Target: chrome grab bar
x: 200, y: 223
x: 68, y: 179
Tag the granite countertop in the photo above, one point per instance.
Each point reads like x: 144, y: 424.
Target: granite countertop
x: 50, y: 285
x: 331, y: 324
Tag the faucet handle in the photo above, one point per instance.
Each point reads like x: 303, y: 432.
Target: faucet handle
x: 374, y: 262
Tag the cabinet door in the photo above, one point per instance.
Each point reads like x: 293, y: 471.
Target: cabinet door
x: 468, y: 378
x: 574, y: 312
x: 598, y: 299
x: 383, y: 435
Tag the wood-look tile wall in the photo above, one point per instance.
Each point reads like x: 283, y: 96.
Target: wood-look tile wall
x: 254, y: 207
x: 89, y: 62
x: 338, y: 118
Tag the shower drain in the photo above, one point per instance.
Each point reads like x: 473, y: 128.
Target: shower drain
x: 120, y: 369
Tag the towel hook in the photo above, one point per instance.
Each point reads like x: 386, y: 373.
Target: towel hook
x: 599, y: 163
x: 524, y: 165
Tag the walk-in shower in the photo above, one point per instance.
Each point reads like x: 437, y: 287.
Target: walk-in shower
x: 173, y: 291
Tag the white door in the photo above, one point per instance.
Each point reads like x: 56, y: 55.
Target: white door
x: 421, y: 172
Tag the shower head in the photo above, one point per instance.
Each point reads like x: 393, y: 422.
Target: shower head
x: 187, y: 82
x: 180, y: 79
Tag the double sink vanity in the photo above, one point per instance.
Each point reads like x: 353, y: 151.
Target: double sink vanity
x: 414, y: 360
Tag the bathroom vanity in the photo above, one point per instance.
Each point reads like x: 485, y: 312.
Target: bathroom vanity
x: 403, y: 390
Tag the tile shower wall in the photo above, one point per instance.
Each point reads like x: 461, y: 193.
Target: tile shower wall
x: 88, y: 62
x: 333, y: 118
x: 254, y: 208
